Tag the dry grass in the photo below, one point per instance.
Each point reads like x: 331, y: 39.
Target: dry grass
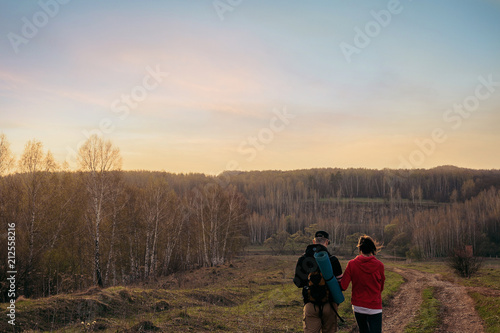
x: 251, y: 294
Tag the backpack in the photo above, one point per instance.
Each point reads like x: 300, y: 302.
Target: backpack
x: 317, y: 290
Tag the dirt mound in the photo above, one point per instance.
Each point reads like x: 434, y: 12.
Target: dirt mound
x: 90, y: 291
x: 212, y: 298
x: 95, y: 304
x: 145, y: 326
x: 484, y: 291
x: 211, y: 289
x: 161, y: 306
x: 55, y: 312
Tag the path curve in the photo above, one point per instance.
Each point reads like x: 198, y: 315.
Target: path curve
x: 457, y: 308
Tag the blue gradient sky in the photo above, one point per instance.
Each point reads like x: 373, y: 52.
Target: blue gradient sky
x: 225, y: 78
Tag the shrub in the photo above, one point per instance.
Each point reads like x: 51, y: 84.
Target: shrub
x: 464, y: 263
x: 277, y: 242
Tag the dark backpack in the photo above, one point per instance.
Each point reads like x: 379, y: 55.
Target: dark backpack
x: 317, y: 290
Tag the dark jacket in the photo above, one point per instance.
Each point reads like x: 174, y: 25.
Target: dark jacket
x: 307, y: 264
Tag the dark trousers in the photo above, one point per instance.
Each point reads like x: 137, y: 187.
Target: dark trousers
x: 369, y: 323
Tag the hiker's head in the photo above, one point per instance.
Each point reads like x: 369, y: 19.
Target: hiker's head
x: 321, y: 237
x: 367, y: 245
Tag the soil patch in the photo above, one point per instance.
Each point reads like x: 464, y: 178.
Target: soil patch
x: 457, y: 308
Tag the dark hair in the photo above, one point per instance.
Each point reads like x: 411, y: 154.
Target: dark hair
x: 367, y: 245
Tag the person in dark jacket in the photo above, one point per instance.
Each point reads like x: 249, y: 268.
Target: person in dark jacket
x: 317, y: 317
x: 367, y: 275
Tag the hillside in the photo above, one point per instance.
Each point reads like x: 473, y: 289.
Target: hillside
x: 252, y: 294
x: 74, y: 230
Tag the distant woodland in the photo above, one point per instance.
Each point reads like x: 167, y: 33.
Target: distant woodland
x: 103, y: 226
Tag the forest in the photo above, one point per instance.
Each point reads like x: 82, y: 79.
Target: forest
x: 100, y: 225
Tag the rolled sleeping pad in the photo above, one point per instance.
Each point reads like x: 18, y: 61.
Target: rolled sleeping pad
x: 325, y: 266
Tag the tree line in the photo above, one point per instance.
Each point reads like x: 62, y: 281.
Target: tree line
x: 395, y: 206
x: 102, y: 226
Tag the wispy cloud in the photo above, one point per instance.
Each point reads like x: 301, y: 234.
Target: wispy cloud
x: 226, y: 77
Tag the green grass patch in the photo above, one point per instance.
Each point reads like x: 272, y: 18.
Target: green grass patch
x: 487, y: 277
x: 427, y: 319
x: 379, y: 200
x: 488, y: 308
x: 345, y: 311
x: 357, y: 200
x: 393, y: 282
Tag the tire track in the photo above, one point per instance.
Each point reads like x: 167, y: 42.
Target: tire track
x: 457, y: 308
x: 405, y: 304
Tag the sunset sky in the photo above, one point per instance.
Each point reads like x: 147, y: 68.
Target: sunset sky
x: 205, y: 86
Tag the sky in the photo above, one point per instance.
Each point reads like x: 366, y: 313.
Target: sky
x: 213, y: 85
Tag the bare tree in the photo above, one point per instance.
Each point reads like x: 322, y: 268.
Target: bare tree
x: 34, y: 166
x: 179, y: 214
x: 155, y: 209
x: 118, y: 201
x: 219, y: 215
x: 234, y: 219
x: 6, y: 157
x: 98, y: 158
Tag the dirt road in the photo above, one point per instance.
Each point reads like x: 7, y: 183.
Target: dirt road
x: 457, y: 308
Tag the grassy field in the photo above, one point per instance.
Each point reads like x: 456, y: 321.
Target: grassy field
x: 483, y: 288
x: 252, y: 294
x: 488, y: 276
x: 374, y: 201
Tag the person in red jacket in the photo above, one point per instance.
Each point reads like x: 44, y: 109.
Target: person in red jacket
x: 367, y: 275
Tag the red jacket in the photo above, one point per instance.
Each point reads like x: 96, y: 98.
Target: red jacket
x: 367, y: 276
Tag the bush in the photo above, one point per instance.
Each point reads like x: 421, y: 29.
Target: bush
x: 464, y: 263
x: 414, y: 253
x: 277, y: 242
x: 400, y: 244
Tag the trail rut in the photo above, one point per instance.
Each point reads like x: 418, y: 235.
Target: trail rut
x: 457, y: 308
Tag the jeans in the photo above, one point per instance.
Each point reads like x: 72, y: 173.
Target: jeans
x: 369, y: 323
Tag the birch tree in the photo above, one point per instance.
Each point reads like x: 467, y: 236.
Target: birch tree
x: 97, y: 158
x: 6, y: 157
x: 118, y: 201
x: 34, y: 166
x: 219, y: 215
x: 155, y: 210
x: 178, y: 215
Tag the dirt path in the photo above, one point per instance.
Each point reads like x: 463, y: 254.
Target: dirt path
x: 458, y: 314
